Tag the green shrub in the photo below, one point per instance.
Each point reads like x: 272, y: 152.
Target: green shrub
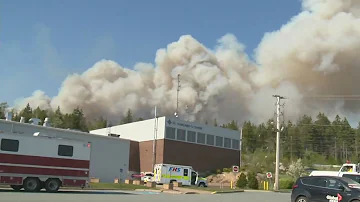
x: 241, y: 181
x: 286, y: 183
x: 253, y: 183
x: 227, y: 170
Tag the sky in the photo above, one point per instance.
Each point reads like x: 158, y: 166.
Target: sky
x: 43, y: 41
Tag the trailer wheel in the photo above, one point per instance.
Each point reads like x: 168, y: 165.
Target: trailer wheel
x: 52, y: 185
x: 32, y: 184
x: 16, y: 187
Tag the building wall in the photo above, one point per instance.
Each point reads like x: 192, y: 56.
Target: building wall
x: 146, y: 154
x: 109, y: 155
x: 134, y: 158
x: 201, y: 157
x: 137, y: 131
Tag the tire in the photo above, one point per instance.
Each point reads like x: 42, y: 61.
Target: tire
x: 172, y: 181
x: 201, y: 184
x: 16, y: 187
x: 302, y: 199
x: 52, y: 185
x: 32, y: 184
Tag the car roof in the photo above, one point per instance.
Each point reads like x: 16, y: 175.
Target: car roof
x: 334, y: 177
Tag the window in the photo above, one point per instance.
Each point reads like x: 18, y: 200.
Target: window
x: 235, y: 144
x: 210, y: 140
x: 191, y: 136
x: 181, y: 134
x: 219, y: 141
x: 356, y: 178
x: 186, y: 172
x: 333, y: 184
x: 227, y: 142
x: 170, y: 133
x: 9, y: 145
x: 201, y: 138
x: 316, y: 181
x: 65, y: 150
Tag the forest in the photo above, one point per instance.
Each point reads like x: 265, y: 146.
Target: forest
x: 315, y: 140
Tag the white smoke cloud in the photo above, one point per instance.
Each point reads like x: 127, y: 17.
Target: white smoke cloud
x: 316, y: 52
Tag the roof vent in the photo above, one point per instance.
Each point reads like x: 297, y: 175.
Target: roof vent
x: 113, y: 135
x: 22, y: 119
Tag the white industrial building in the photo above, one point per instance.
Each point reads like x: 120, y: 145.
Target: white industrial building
x: 175, y: 129
x: 109, y: 155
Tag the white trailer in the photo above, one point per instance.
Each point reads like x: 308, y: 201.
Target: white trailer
x: 37, y: 162
x: 168, y: 173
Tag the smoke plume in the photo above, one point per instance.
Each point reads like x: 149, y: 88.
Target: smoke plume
x: 314, y: 54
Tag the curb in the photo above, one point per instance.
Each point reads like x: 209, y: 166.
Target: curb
x: 227, y: 192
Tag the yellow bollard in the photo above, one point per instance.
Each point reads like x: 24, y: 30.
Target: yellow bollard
x: 267, y: 185
x: 231, y: 184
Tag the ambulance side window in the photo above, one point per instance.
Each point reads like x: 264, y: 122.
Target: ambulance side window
x: 9, y: 145
x: 65, y: 150
x: 186, y: 172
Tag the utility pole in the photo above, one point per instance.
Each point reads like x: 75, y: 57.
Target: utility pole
x: 241, y: 131
x: 277, y: 162
x: 177, y: 96
x: 154, y: 142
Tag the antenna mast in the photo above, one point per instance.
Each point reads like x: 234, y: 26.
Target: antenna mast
x: 177, y: 96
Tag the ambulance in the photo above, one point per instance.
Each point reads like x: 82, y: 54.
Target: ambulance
x: 169, y: 173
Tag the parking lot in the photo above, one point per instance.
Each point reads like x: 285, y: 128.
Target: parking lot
x: 134, y: 196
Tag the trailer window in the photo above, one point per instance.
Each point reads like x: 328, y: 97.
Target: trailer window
x: 65, y: 150
x: 9, y: 145
x: 235, y: 144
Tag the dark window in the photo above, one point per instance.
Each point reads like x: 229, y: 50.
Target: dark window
x: 181, y: 134
x: 316, y: 181
x: 356, y: 178
x: 227, y: 142
x: 210, y: 140
x: 65, y: 150
x: 191, y: 136
x: 219, y: 141
x: 201, y: 138
x: 333, y: 184
x: 186, y: 172
x: 235, y: 144
x: 9, y: 145
x: 170, y: 133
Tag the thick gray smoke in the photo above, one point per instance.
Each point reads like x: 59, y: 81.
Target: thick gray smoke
x: 316, y: 53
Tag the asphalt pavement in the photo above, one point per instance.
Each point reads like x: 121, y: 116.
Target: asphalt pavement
x: 136, y: 196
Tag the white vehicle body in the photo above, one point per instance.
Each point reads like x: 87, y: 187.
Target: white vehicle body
x: 168, y: 173
x: 36, y: 162
x: 348, y: 168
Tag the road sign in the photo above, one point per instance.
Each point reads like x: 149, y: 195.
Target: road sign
x: 268, y: 175
x: 235, y: 169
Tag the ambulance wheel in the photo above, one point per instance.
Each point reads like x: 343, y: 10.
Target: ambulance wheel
x: 201, y: 184
x: 52, y: 185
x: 16, y: 187
x: 32, y: 184
x: 172, y: 181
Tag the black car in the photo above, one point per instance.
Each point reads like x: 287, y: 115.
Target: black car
x: 325, y: 189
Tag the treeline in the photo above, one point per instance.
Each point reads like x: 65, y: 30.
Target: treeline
x: 318, y: 140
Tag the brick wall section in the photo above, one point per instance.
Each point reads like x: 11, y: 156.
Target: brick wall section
x: 201, y: 157
x: 146, y: 154
x: 134, y: 158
